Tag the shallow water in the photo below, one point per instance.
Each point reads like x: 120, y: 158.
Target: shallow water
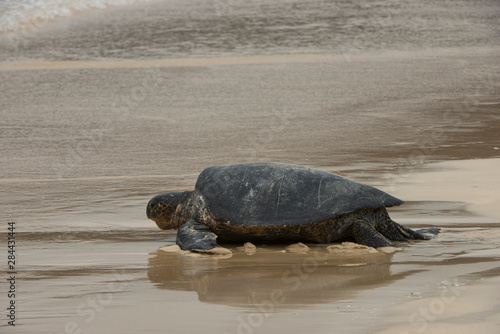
x: 215, y: 28
x: 86, y: 144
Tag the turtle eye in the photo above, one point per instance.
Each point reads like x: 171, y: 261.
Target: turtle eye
x: 152, y: 208
x: 152, y: 204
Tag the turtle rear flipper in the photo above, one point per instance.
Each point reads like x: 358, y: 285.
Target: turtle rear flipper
x: 429, y: 232
x: 423, y: 234
x: 365, y: 234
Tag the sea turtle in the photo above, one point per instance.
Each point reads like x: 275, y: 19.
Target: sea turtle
x: 274, y: 202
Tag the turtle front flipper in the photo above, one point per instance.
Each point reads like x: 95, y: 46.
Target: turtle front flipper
x: 197, y: 237
x: 365, y: 234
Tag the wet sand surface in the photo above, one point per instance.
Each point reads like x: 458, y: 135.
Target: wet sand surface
x: 85, y: 147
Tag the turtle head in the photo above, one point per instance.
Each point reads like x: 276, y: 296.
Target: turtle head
x: 169, y: 210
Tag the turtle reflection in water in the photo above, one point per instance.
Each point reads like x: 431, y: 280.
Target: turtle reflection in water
x: 273, y: 278
x: 277, y: 203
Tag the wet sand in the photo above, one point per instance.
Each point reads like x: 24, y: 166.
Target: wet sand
x: 85, y: 147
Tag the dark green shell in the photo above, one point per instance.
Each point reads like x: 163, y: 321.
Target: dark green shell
x: 272, y: 194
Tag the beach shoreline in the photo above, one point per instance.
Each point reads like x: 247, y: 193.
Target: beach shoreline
x: 40, y: 64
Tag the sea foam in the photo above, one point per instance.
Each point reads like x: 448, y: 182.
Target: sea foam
x: 17, y: 15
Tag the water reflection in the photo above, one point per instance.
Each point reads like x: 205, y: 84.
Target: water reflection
x: 272, y: 278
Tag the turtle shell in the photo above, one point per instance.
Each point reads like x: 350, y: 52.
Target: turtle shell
x: 274, y: 194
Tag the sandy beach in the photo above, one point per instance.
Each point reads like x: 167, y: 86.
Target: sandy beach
x: 88, y: 255
x: 86, y: 142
